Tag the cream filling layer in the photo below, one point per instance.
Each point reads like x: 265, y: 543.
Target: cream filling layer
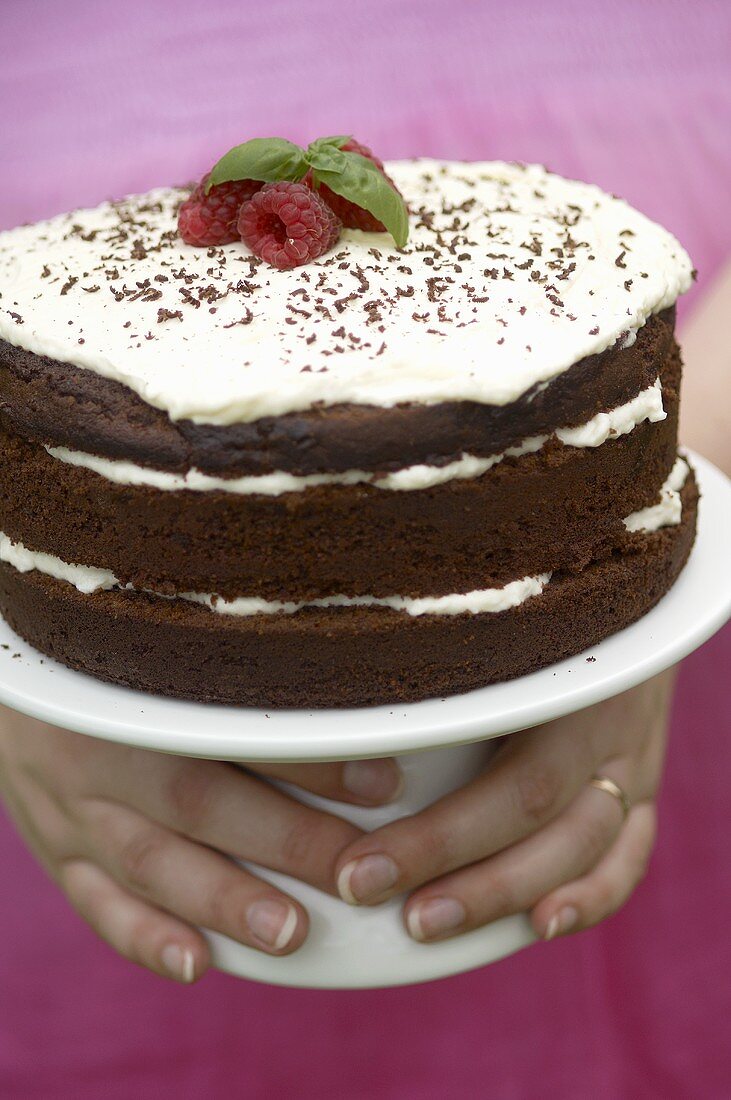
x: 88, y: 579
x: 647, y: 405
x: 479, y: 601
x: 669, y: 509
x: 85, y: 578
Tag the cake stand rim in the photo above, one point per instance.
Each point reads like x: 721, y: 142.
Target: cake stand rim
x: 92, y: 707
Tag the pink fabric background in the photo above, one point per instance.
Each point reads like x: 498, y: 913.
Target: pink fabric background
x: 101, y: 99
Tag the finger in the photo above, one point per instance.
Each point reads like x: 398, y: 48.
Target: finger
x: 363, y: 782
x: 535, y: 775
x: 200, y: 886
x: 225, y: 808
x: 136, y: 930
x: 47, y: 829
x: 593, y: 898
x: 515, y: 879
x: 634, y: 720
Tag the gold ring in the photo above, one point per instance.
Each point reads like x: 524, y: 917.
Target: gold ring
x: 604, y: 783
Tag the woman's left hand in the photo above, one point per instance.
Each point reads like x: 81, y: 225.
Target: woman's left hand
x: 531, y: 833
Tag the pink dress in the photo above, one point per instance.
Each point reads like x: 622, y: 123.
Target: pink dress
x: 102, y: 99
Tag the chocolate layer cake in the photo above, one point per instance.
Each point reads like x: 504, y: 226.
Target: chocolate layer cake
x: 385, y: 475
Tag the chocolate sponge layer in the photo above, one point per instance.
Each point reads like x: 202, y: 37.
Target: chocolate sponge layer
x: 63, y: 405
x: 558, y: 510
x: 552, y: 510
x: 342, y: 656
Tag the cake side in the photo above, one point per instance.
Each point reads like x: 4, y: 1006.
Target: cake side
x: 421, y: 531
x: 345, y: 656
x: 385, y: 475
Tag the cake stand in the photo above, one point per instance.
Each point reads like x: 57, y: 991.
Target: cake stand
x: 447, y: 742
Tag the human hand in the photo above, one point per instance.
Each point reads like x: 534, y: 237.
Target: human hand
x: 140, y: 842
x: 530, y: 833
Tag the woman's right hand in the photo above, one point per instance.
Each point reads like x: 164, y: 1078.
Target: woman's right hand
x: 143, y: 844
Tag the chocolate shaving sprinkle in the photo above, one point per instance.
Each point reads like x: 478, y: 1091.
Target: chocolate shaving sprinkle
x: 188, y: 298
x: 169, y: 315
x: 245, y: 320
x: 342, y: 303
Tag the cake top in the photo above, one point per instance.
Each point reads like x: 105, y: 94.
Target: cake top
x: 510, y: 275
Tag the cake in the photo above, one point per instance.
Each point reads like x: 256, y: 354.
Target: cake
x: 385, y: 475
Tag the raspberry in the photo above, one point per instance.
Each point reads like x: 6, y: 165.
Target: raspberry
x: 210, y: 219
x: 287, y: 224
x: 352, y: 216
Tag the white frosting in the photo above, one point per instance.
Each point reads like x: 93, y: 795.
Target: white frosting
x: 476, y: 602
x: 669, y: 509
x: 510, y: 276
x: 129, y: 473
x: 84, y: 577
x: 620, y: 421
x: 647, y: 405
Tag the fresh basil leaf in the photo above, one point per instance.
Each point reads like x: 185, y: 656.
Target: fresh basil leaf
x: 363, y: 183
x: 327, y: 158
x: 338, y: 141
x: 266, y: 159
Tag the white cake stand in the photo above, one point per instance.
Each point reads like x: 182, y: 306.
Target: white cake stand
x: 357, y: 948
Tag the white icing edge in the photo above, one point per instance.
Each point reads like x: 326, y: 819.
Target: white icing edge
x: 647, y: 405
x: 669, y: 509
x: 83, y: 577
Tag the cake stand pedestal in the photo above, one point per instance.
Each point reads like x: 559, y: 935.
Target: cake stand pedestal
x: 447, y: 742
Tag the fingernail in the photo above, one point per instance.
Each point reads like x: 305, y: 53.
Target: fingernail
x: 435, y: 917
x: 271, y: 921
x: 179, y: 962
x: 373, y: 780
x: 561, y: 922
x: 365, y: 879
